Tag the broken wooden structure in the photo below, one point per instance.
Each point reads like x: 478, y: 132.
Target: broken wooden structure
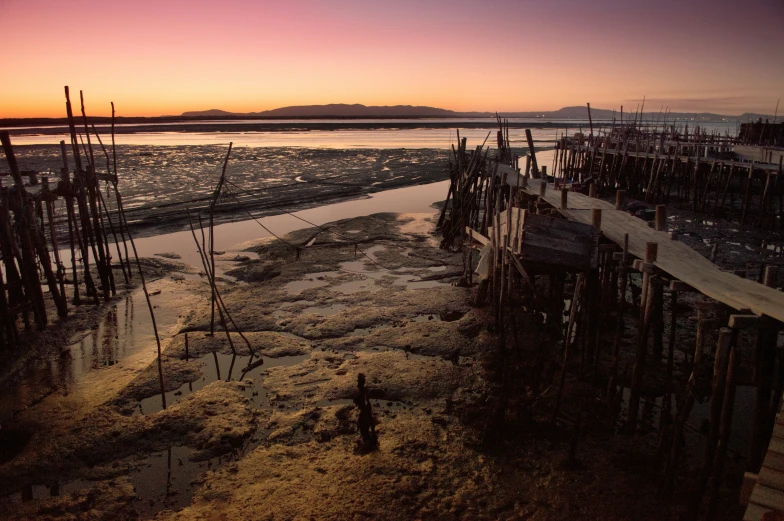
x: 543, y: 245
x: 721, y: 175
x: 44, y: 221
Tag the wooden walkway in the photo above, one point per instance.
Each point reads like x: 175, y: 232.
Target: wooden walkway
x: 770, y: 168
x: 673, y: 257
x: 768, y: 493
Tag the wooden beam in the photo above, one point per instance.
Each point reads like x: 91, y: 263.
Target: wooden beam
x: 743, y: 321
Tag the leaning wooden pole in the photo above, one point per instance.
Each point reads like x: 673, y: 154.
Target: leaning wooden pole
x: 118, y: 198
x: 149, y: 307
x: 212, y: 234
x: 104, y: 268
x: 33, y: 241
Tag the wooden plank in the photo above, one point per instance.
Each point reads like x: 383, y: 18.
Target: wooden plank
x: 530, y: 239
x: 679, y: 285
x: 749, y: 482
x: 688, y: 266
x: 771, y: 479
x: 475, y: 235
x: 776, y: 445
x: 773, y: 460
x: 755, y: 512
x: 743, y: 321
x: 767, y: 497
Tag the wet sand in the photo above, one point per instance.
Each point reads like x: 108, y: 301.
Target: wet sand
x: 157, y: 183
x: 280, y: 441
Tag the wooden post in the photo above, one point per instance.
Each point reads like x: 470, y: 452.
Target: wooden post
x: 593, y: 190
x: 590, y: 120
x: 619, y: 322
x: 102, y: 261
x: 33, y: 242
x: 657, y: 318
x: 47, y: 196
x: 596, y: 218
x: 684, y: 411
x: 17, y: 285
x: 725, y: 427
x: 720, y: 368
x: 215, y: 197
x: 661, y: 218
x: 542, y: 189
x: 567, y: 340
x: 747, y: 194
x: 564, y: 198
x: 646, y: 310
x: 765, y: 361
x: 620, y: 197
x: 533, y: 153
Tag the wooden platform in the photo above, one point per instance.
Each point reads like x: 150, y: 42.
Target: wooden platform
x: 770, y: 168
x: 768, y: 492
x: 674, y: 257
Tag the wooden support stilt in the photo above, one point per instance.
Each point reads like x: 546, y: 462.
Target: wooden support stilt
x: 646, y: 311
x: 725, y: 427
x: 578, y: 285
x: 661, y: 218
x: 720, y: 368
x: 620, y: 198
x: 596, y: 218
x: 765, y: 361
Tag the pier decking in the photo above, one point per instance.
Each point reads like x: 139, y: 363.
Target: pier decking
x: 768, y: 492
x: 673, y: 257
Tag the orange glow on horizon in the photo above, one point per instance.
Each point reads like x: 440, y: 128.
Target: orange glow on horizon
x: 168, y: 57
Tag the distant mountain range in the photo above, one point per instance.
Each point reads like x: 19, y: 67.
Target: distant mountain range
x: 342, y: 110
x: 380, y: 113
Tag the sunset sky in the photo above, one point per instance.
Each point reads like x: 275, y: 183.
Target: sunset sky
x: 165, y: 56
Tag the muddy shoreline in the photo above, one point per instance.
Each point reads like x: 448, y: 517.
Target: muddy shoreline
x: 261, y: 126
x: 370, y: 294
x: 158, y: 183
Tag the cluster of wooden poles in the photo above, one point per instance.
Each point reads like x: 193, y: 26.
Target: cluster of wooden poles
x: 29, y: 231
x: 603, y: 302
x: 30, y: 228
x: 670, y: 164
x: 762, y: 134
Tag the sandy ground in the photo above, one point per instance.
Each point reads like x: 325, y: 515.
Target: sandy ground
x: 370, y: 295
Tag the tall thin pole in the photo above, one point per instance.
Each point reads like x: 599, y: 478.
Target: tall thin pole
x: 212, y: 234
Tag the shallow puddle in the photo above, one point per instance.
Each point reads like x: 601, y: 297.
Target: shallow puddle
x: 124, y: 329
x: 217, y: 366
x: 162, y: 480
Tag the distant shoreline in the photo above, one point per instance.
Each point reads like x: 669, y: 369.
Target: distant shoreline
x: 295, y: 124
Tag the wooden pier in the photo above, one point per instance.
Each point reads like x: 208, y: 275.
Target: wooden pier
x: 556, y: 252
x: 720, y: 175
x: 673, y: 257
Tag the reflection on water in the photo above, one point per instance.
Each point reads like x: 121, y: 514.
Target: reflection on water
x: 230, y: 237
x: 440, y: 138
x: 228, y: 367
x: 123, y: 329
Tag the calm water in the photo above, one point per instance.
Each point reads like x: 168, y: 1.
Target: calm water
x: 440, y: 138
